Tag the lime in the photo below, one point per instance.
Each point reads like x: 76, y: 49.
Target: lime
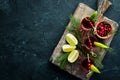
x: 73, y: 56
x: 95, y: 69
x: 68, y: 48
x: 100, y: 45
x: 94, y: 16
x: 71, y: 39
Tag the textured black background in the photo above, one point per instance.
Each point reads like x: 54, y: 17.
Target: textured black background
x: 29, y: 32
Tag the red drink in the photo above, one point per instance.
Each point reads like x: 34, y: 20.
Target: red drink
x: 89, y: 43
x: 87, y: 24
x: 87, y: 63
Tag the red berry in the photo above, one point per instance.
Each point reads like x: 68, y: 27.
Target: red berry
x: 87, y: 63
x: 103, y: 29
x: 89, y: 42
x: 87, y: 24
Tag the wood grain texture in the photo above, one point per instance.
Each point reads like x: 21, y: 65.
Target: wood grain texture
x: 74, y: 69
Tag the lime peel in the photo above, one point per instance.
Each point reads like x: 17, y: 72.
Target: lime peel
x: 94, y: 16
x: 73, y: 56
x: 94, y: 69
x: 101, y: 45
x: 71, y: 39
x: 68, y: 48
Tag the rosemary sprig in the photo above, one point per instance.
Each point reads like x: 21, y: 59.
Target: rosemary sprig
x: 63, y: 63
x: 113, y: 32
x: 74, y: 24
x: 97, y: 61
x: 62, y: 59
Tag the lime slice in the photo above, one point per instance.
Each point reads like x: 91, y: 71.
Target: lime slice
x: 71, y: 39
x: 68, y: 48
x: 95, y: 69
x: 100, y: 45
x: 93, y: 17
x: 73, y: 56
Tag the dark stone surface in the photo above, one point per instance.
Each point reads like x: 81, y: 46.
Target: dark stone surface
x: 29, y: 32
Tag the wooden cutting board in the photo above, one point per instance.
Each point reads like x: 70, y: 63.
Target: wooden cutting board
x: 81, y: 11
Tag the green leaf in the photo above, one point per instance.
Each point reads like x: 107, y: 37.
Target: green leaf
x: 98, y: 63
x: 63, y: 63
x: 113, y: 32
x: 74, y: 24
x: 110, y: 49
x: 61, y: 57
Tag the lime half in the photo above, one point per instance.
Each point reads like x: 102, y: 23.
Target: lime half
x: 73, y: 56
x: 68, y: 48
x: 71, y: 39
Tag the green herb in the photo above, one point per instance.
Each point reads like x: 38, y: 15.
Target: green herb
x: 61, y: 57
x: 97, y: 61
x: 110, y: 49
x: 63, y: 63
x: 113, y: 32
x: 75, y: 23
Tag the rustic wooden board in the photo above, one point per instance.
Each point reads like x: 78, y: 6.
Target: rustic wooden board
x: 74, y: 69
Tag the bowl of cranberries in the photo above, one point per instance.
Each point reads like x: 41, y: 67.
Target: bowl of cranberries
x: 103, y: 30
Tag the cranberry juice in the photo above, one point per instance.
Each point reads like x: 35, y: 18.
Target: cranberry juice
x: 87, y: 63
x: 87, y: 24
x: 89, y: 42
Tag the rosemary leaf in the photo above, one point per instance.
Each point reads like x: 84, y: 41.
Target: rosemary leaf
x: 98, y: 63
x: 69, y: 28
x: 74, y: 24
x: 113, y: 32
x: 61, y: 57
x: 63, y: 63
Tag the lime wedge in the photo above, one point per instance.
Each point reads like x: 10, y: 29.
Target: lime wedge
x: 93, y: 17
x: 71, y: 39
x: 73, y: 56
x: 68, y: 48
x: 100, y: 45
x: 95, y: 69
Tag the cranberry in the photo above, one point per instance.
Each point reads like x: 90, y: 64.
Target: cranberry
x: 87, y: 63
x: 87, y: 24
x: 89, y: 42
x: 103, y: 29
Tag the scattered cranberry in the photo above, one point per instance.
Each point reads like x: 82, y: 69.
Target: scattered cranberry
x: 87, y: 24
x: 89, y: 42
x: 103, y: 29
x: 87, y: 63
